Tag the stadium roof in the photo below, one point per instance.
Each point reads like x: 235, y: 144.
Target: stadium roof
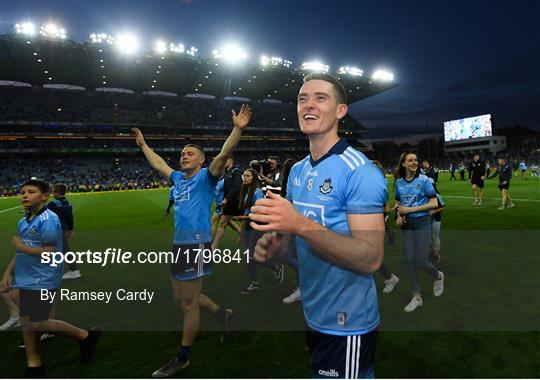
x: 40, y: 61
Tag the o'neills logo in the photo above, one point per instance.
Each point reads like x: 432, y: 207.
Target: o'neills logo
x: 331, y: 373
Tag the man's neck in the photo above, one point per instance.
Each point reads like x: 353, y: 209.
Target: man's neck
x: 33, y: 211
x: 191, y: 173
x: 321, y: 144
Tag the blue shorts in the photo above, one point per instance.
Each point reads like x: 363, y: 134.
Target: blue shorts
x: 344, y: 357
x: 188, y: 261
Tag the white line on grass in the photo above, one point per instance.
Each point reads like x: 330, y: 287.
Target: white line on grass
x: 496, y: 199
x: 9, y: 209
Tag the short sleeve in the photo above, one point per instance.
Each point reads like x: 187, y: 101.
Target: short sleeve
x: 49, y: 232
x: 210, y: 178
x: 429, y: 190
x: 365, y: 191
x: 176, y: 175
x: 258, y: 195
x: 397, y: 196
x: 290, y: 184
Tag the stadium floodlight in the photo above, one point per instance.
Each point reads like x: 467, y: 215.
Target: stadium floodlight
x: 315, y: 66
x: 230, y: 53
x: 160, y: 47
x: 178, y: 48
x: 354, y: 71
x: 383, y: 75
x: 51, y: 30
x: 26, y: 28
x: 101, y: 38
x: 127, y: 43
x: 274, y: 61
x: 192, y: 51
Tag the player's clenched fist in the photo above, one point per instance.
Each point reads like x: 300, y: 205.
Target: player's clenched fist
x: 278, y: 214
x: 267, y: 246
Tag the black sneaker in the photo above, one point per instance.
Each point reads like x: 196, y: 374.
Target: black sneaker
x: 35, y: 373
x: 279, y: 273
x: 225, y: 317
x: 168, y: 370
x: 89, y: 345
x: 251, y: 287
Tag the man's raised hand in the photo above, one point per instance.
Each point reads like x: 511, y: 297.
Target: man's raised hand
x: 241, y: 120
x: 139, y: 137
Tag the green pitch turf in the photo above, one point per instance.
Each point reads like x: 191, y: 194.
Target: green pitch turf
x: 485, y: 325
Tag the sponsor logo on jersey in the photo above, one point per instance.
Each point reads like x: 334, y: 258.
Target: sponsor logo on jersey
x: 330, y: 373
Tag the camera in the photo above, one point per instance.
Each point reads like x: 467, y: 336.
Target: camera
x: 257, y: 164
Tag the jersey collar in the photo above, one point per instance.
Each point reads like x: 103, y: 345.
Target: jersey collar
x: 338, y: 148
x: 38, y: 214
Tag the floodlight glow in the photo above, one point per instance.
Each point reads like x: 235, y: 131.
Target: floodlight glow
x: 383, y: 75
x: 315, y: 66
x: 160, y: 47
x: 178, y: 48
x: 127, y: 43
x: 230, y: 53
x: 52, y: 30
x: 274, y: 61
x: 100, y: 38
x: 25, y: 28
x: 192, y: 51
x: 354, y: 71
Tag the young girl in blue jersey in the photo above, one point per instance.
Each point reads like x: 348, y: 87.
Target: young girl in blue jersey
x: 251, y: 193
x: 415, y: 196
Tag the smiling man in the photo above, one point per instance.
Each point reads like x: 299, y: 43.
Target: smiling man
x: 334, y: 209
x: 193, y: 193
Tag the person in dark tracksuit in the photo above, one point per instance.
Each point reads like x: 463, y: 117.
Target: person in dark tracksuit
x: 505, y: 175
x: 62, y: 207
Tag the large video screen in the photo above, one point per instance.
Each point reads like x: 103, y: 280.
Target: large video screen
x: 468, y: 128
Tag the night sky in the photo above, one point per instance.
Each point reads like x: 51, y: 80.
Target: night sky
x: 451, y: 59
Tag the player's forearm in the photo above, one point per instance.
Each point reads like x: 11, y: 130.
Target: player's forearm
x: 154, y: 159
x: 226, y: 151
x: 35, y: 250
x: 428, y: 206
x: 362, y: 253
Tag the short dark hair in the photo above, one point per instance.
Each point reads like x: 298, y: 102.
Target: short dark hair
x: 274, y: 158
x: 196, y: 147
x: 40, y: 184
x: 60, y: 188
x: 341, y: 94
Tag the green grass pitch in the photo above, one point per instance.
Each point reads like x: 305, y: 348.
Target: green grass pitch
x: 485, y: 325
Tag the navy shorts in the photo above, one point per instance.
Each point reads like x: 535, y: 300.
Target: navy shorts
x: 33, y: 306
x: 344, y: 357
x: 189, y: 261
x: 478, y: 182
x: 506, y: 186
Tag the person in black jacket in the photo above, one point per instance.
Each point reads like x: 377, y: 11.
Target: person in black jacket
x: 232, y: 187
x: 62, y: 207
x: 505, y: 175
x: 477, y: 172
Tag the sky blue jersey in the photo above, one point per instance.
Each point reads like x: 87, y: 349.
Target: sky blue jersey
x: 416, y: 192
x: 193, y: 199
x: 44, y: 230
x: 220, y: 191
x: 336, y: 301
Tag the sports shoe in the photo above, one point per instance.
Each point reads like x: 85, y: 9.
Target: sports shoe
x: 251, y: 287
x: 438, y: 286
x: 501, y: 207
x: 35, y: 373
x: 43, y: 336
x: 168, y: 370
x: 479, y: 203
x: 89, y: 345
x: 13, y: 321
x: 475, y: 202
x: 510, y: 205
x: 293, y: 297
x: 225, y: 317
x: 390, y: 284
x: 71, y: 275
x: 411, y: 306
x: 279, y: 273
